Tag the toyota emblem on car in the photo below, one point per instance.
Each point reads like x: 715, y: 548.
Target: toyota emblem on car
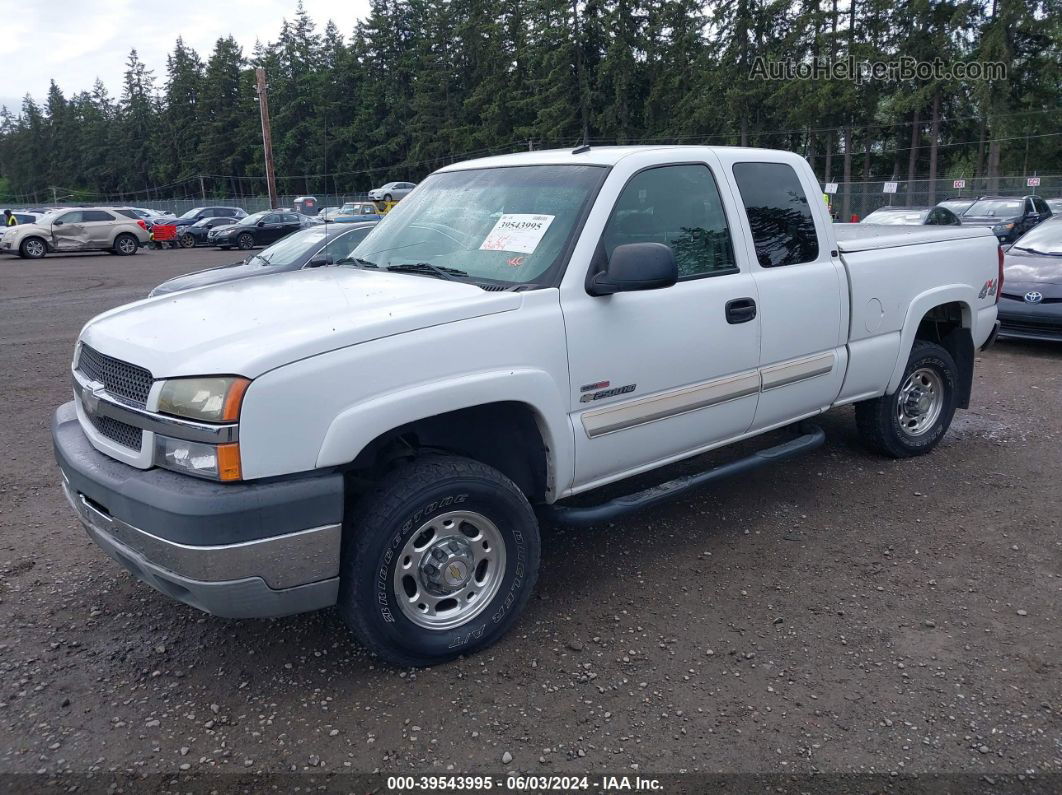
x: 1033, y: 297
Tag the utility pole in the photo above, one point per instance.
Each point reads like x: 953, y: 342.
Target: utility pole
x: 202, y: 188
x: 267, y: 136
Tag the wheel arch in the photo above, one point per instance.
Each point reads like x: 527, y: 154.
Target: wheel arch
x: 505, y: 435
x: 944, y: 316
x: 514, y: 421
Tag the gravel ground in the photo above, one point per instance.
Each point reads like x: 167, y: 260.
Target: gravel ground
x: 841, y: 612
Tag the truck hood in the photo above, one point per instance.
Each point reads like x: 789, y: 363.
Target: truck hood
x: 250, y: 326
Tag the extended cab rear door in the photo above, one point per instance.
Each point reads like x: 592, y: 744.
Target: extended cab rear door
x: 800, y: 282
x: 658, y: 374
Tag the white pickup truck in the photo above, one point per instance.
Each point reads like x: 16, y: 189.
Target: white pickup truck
x: 384, y: 434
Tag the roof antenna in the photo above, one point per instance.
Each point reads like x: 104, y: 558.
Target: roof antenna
x: 584, y: 147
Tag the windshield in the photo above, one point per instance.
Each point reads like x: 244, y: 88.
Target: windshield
x: 1045, y: 238
x: 254, y: 218
x: 193, y: 212
x: 893, y: 217
x: 290, y: 249
x: 957, y: 206
x: 500, y: 224
x: 998, y: 208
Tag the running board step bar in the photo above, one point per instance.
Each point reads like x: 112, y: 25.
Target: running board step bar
x: 813, y: 436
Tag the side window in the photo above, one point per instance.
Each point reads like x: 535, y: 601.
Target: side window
x: 71, y: 217
x: 96, y: 215
x: 783, y: 227
x: 1041, y: 206
x: 341, y: 246
x: 274, y: 218
x: 678, y: 206
x: 290, y: 218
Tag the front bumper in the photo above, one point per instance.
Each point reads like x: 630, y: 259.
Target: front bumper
x: 1019, y: 320
x: 248, y: 550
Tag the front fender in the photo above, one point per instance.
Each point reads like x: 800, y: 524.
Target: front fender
x: 950, y: 293
x: 354, y: 428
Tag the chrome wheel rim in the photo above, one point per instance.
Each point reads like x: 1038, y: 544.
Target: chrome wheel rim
x: 126, y: 246
x: 449, y: 570
x: 920, y: 401
x: 34, y: 248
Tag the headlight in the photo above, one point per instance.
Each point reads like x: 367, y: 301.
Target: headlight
x: 210, y: 399
x: 216, y: 462
x: 1002, y: 229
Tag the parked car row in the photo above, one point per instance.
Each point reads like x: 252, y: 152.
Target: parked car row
x: 1008, y: 216
x: 123, y: 230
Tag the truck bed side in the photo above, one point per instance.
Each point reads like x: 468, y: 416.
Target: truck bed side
x: 896, y: 277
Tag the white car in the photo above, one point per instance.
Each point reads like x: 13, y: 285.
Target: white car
x: 382, y: 435
x: 392, y: 191
x: 76, y: 229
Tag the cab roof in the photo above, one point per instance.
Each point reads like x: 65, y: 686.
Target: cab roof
x: 593, y: 156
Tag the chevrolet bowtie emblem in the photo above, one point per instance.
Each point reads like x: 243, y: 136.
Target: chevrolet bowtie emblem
x: 90, y: 398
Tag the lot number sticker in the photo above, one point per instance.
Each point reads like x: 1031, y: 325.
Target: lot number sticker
x: 517, y: 232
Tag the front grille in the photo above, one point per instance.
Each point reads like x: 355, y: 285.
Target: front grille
x: 119, y: 378
x: 119, y: 432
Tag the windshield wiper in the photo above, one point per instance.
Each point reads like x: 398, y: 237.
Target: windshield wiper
x: 361, y: 263
x: 1037, y: 251
x: 450, y: 274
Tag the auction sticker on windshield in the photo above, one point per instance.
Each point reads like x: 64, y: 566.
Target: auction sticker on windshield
x: 517, y: 232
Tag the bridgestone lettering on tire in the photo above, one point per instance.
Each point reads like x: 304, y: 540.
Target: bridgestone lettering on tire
x: 446, y: 510
x: 914, y: 419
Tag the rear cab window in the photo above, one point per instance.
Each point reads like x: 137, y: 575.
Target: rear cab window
x: 779, y: 214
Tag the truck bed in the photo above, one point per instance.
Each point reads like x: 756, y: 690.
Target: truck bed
x: 868, y: 237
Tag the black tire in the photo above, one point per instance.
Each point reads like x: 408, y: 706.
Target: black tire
x: 245, y: 241
x: 879, y: 420
x: 125, y: 245
x: 388, y: 197
x: 187, y: 240
x: 32, y: 248
x: 393, y: 515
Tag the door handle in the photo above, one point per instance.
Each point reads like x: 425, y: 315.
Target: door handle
x: 740, y: 310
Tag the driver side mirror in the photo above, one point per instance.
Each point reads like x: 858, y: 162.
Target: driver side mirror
x: 636, y: 266
x: 320, y: 260
x: 260, y: 224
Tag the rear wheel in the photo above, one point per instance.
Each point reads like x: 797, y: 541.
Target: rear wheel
x: 245, y: 241
x: 913, y: 419
x: 438, y: 561
x: 32, y: 248
x: 125, y: 245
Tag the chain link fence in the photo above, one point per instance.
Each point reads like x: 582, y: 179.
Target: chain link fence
x: 861, y: 198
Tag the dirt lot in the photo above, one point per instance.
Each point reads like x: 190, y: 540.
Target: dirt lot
x: 838, y: 613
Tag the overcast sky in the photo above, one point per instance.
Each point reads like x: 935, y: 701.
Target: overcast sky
x: 76, y: 41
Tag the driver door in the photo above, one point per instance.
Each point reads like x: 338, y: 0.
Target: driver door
x: 657, y: 375
x: 68, y: 232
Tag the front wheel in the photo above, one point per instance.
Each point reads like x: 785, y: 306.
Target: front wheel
x: 125, y: 245
x: 187, y: 240
x: 245, y: 241
x: 914, y: 419
x: 32, y: 248
x: 438, y: 561
x: 388, y: 198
